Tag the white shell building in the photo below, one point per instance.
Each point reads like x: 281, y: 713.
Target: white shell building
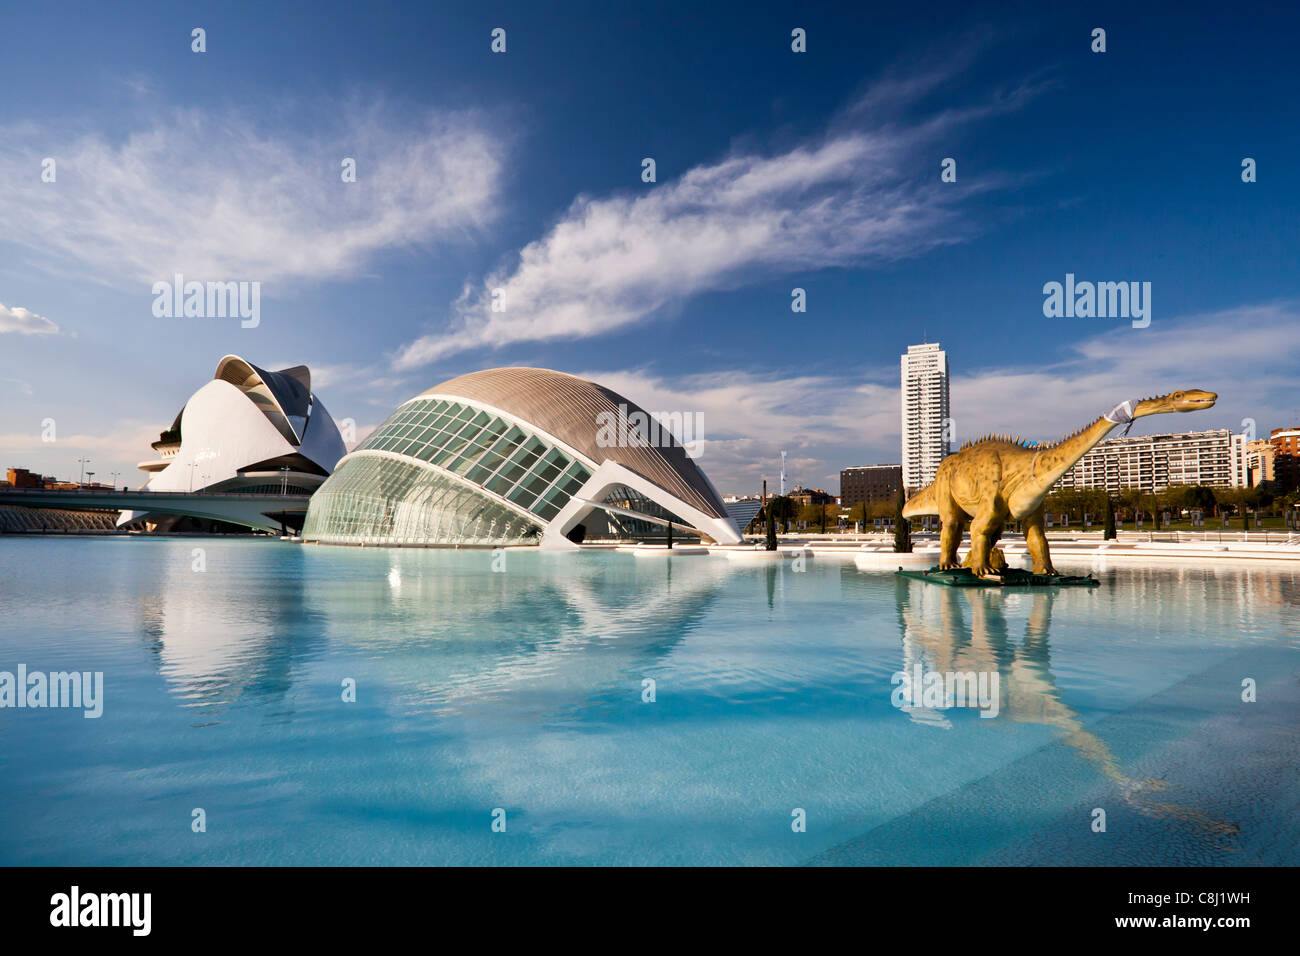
x: 248, y: 431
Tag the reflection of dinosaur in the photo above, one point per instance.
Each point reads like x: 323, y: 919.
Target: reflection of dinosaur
x: 940, y: 637
x: 997, y: 479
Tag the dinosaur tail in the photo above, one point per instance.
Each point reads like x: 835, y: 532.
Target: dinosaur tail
x: 921, y: 503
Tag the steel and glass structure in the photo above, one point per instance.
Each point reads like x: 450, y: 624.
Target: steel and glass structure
x: 509, y: 456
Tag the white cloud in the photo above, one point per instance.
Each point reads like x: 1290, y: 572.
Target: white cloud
x: 866, y: 192
x: 1246, y: 354
x: 830, y: 422
x: 215, y: 197
x: 25, y: 322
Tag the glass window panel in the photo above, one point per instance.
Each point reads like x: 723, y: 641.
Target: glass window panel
x: 557, y: 458
x: 548, y: 473
x: 505, y: 479
x: 536, y: 483
x: 493, y: 430
x: 528, y: 453
x: 469, y: 433
x: 483, y: 470
x: 513, y: 436
x: 442, y: 456
x: 546, y: 510
x: 522, y: 496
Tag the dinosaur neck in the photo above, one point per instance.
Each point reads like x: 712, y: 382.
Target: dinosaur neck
x: 1056, y: 460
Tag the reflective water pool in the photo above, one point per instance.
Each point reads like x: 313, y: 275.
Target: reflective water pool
x: 609, y: 709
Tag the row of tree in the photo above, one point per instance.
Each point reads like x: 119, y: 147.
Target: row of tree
x: 1211, y: 501
x: 821, y: 516
x: 1130, y: 503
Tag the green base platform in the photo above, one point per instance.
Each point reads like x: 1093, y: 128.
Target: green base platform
x: 1010, y: 578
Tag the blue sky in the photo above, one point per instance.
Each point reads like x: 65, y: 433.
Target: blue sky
x: 522, y: 172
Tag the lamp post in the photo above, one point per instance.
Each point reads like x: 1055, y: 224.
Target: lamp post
x: 115, y: 475
x: 84, y: 463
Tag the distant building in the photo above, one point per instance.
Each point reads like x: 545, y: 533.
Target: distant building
x: 22, y: 478
x: 1285, y: 443
x: 870, y: 483
x: 803, y: 497
x: 926, y: 415
x: 1155, y: 462
x: 1261, y: 462
x: 742, y: 510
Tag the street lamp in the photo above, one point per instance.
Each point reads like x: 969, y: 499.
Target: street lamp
x: 191, y: 466
x: 84, y: 463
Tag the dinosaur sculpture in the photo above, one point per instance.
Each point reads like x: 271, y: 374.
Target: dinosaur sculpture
x: 997, y: 479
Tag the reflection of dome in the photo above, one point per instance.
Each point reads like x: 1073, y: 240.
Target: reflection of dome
x: 247, y: 431
x: 505, y: 456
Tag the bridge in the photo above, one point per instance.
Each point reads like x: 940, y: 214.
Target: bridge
x: 249, y: 510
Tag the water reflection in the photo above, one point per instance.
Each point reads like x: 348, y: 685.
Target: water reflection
x: 225, y: 634
x: 552, y: 633
x: 947, y: 629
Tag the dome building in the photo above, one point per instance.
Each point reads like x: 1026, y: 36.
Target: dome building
x: 514, y: 456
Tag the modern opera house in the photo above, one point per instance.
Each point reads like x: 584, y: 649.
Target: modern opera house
x: 247, y: 434
x: 513, y: 456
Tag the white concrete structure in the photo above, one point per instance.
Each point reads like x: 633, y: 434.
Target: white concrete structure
x: 247, y: 431
x: 515, y: 456
x: 925, y: 414
x: 1153, y: 463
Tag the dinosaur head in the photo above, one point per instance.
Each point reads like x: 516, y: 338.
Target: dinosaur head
x: 1190, y: 400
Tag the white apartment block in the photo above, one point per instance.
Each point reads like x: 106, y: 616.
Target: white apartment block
x: 925, y: 413
x: 1155, y: 462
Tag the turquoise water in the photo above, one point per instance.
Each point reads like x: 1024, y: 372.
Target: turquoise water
x: 522, y: 689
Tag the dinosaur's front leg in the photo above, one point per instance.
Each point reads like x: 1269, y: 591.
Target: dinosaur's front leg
x: 1036, y: 543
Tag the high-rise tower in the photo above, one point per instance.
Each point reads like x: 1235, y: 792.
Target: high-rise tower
x: 926, y: 417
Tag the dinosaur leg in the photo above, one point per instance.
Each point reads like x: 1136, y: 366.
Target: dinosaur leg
x: 985, y: 530
x: 954, y: 523
x: 1036, y: 542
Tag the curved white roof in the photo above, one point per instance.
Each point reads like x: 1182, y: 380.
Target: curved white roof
x: 567, y: 407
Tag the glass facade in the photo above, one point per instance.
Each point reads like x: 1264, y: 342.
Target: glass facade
x: 381, y: 499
